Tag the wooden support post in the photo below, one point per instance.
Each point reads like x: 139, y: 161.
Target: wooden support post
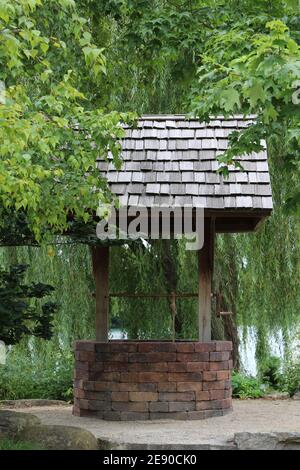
x: 205, y: 260
x: 100, y: 259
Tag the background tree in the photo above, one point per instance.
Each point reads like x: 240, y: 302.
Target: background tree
x: 156, y: 51
x: 20, y: 313
x: 51, y: 129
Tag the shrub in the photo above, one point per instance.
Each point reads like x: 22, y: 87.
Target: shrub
x: 269, y: 371
x: 290, y: 380
x: 244, y: 386
x: 20, y: 312
x: 45, y: 376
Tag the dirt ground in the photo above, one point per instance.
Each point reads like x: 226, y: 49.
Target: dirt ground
x: 248, y: 416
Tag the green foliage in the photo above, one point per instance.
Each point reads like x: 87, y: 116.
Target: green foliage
x: 36, y: 375
x: 19, y: 312
x: 131, y: 269
x: 290, y: 379
x: 50, y: 133
x: 244, y: 386
x: 10, y: 444
x: 269, y: 371
x: 152, y: 50
x: 254, y: 68
x: 269, y: 285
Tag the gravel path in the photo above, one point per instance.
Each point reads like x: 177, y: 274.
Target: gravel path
x: 248, y: 416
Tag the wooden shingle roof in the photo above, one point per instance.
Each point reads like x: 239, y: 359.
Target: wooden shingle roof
x: 171, y: 160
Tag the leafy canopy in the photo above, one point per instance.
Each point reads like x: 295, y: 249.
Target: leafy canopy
x: 50, y: 132
x: 247, y: 72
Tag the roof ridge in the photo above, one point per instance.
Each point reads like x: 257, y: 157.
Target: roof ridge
x: 162, y: 117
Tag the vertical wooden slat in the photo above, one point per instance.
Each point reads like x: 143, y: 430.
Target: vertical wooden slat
x: 100, y: 260
x: 205, y: 260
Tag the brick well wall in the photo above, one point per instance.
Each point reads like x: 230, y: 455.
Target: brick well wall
x: 132, y: 380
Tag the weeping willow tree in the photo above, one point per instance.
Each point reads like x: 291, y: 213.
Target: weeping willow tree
x: 160, y: 267
x: 67, y: 268
x: 269, y: 297
x: 150, y: 67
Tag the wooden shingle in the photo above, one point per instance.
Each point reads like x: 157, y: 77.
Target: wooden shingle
x: 173, y: 159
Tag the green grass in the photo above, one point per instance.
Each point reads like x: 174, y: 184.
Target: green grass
x: 9, y: 444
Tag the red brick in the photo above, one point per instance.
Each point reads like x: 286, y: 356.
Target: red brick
x: 79, y: 393
x: 115, y: 346
x: 185, y: 347
x: 205, y: 347
x: 106, y: 376
x: 97, y: 367
x: 102, y: 347
x: 84, y: 346
x: 115, y: 366
x: 197, y: 366
x: 120, y: 396
x: 224, y: 365
x: 223, y: 375
x: 217, y: 394
x: 153, y: 377
x: 112, y: 356
x: 196, y: 415
x: 136, y: 366
x: 80, y: 365
x: 80, y: 374
x: 85, y: 356
x: 129, y: 406
x: 227, y: 385
x: 203, y: 405
x: 167, y: 387
x: 185, y: 377
x: 213, y: 413
x: 219, y: 356
x: 152, y: 357
x: 223, y: 346
x: 209, y: 376
x: 99, y: 405
x: 193, y: 357
x: 129, y: 377
x: 181, y: 406
x: 156, y: 347
x: 177, y: 396
x: 215, y: 385
x: 180, y: 415
x: 78, y: 383
x: 87, y: 413
x: 143, y: 367
x: 143, y: 396
x: 133, y: 416
x: 127, y: 387
x: 159, y: 407
x: 99, y: 386
x: 189, y: 386
x: 153, y: 368
x: 177, y: 367
x: 220, y: 404
x: 147, y: 387
x: 75, y: 411
x: 202, y: 396
x: 112, y: 415
x: 83, y: 404
x: 102, y: 396
x: 88, y: 385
